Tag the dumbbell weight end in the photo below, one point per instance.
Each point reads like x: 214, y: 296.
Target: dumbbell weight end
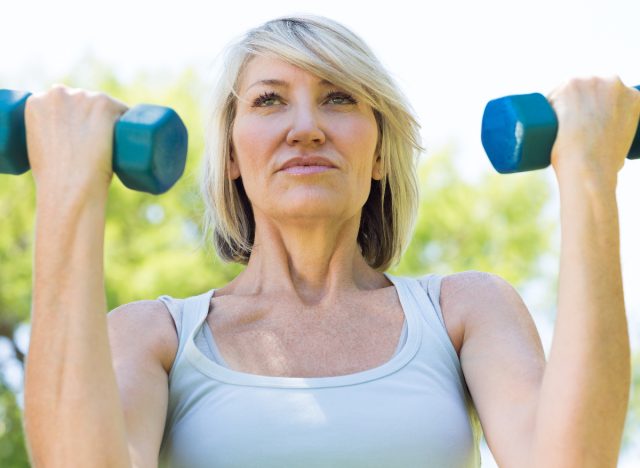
x: 518, y: 133
x: 150, y: 148
x: 13, y: 138
x: 149, y: 144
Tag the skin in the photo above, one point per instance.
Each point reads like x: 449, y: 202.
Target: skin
x: 306, y: 226
x: 533, y: 413
x: 568, y: 411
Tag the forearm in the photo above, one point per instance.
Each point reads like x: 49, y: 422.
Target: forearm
x: 73, y: 413
x: 585, y: 389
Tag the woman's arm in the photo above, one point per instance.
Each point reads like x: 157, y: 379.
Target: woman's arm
x: 73, y: 414
x: 570, y: 411
x: 585, y: 389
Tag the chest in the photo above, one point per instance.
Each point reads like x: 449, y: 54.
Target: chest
x: 362, y: 334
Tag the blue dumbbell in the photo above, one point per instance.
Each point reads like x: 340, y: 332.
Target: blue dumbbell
x: 149, y: 147
x: 518, y: 133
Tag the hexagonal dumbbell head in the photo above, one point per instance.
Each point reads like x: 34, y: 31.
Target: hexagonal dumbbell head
x: 518, y: 132
x: 150, y: 144
x: 13, y: 140
x: 634, y: 151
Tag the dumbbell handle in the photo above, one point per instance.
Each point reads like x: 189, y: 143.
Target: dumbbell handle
x: 518, y: 133
x: 149, y: 148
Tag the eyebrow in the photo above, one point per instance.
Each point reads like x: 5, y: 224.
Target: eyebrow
x: 274, y: 82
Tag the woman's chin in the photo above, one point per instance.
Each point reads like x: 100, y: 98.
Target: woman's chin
x: 318, y: 204
x: 317, y: 199
x: 313, y: 210
x: 314, y: 213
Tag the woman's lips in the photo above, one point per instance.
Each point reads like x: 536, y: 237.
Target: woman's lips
x: 303, y: 170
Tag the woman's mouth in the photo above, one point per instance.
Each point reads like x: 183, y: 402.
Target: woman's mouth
x: 305, y: 170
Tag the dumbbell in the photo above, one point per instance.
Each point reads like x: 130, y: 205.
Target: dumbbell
x: 518, y: 133
x: 149, y: 146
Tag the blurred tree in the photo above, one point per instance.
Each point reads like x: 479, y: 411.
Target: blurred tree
x: 498, y: 224
x: 152, y: 244
x: 13, y: 453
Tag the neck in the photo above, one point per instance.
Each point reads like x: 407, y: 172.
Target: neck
x: 313, y: 262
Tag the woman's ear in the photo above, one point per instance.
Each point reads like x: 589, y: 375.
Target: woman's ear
x: 234, y: 168
x: 376, y: 172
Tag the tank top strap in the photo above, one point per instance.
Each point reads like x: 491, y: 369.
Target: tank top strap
x: 426, y: 292
x: 194, y: 312
x: 431, y: 284
x: 188, y: 314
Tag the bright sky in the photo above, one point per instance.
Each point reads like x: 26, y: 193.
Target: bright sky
x: 450, y: 57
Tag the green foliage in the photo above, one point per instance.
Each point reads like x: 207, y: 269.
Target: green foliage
x: 17, y: 202
x: 498, y: 225
x: 152, y: 243
x: 13, y: 452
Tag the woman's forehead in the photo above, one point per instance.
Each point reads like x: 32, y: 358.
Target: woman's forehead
x: 275, y: 71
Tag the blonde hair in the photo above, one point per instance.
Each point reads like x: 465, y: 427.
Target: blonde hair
x: 330, y: 51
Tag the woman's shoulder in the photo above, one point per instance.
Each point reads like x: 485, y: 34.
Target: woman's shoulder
x: 466, y: 281
x: 474, y: 288
x: 469, y: 296
x: 149, y: 324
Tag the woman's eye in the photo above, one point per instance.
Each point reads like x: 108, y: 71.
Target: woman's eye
x: 266, y: 99
x: 338, y: 97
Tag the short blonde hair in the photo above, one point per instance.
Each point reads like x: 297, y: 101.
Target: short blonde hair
x: 330, y: 51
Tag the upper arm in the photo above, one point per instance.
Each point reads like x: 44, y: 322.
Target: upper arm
x: 143, y: 343
x: 502, y: 359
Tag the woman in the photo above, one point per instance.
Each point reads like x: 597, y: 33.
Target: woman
x: 317, y: 356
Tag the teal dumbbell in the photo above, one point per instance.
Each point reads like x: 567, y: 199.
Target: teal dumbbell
x: 149, y: 146
x: 518, y: 133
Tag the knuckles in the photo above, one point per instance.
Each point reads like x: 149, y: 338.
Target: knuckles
x: 608, y: 85
x: 593, y: 92
x: 63, y: 99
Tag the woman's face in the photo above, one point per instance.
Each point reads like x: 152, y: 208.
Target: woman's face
x: 304, y: 148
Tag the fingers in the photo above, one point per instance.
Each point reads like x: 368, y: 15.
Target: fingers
x: 594, y: 83
x: 595, y: 95
x: 86, y: 120
x: 109, y: 103
x: 597, y: 120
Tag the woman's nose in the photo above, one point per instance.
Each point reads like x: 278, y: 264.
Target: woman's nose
x: 305, y: 127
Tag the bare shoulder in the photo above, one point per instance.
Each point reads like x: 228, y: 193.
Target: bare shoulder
x: 148, y: 325
x: 501, y: 356
x: 143, y: 342
x: 474, y: 288
x: 470, y: 297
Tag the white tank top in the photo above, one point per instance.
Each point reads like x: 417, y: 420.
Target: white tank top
x: 412, y: 411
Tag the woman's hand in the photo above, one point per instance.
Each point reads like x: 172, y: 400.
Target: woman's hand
x: 597, y: 120
x: 70, y: 140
